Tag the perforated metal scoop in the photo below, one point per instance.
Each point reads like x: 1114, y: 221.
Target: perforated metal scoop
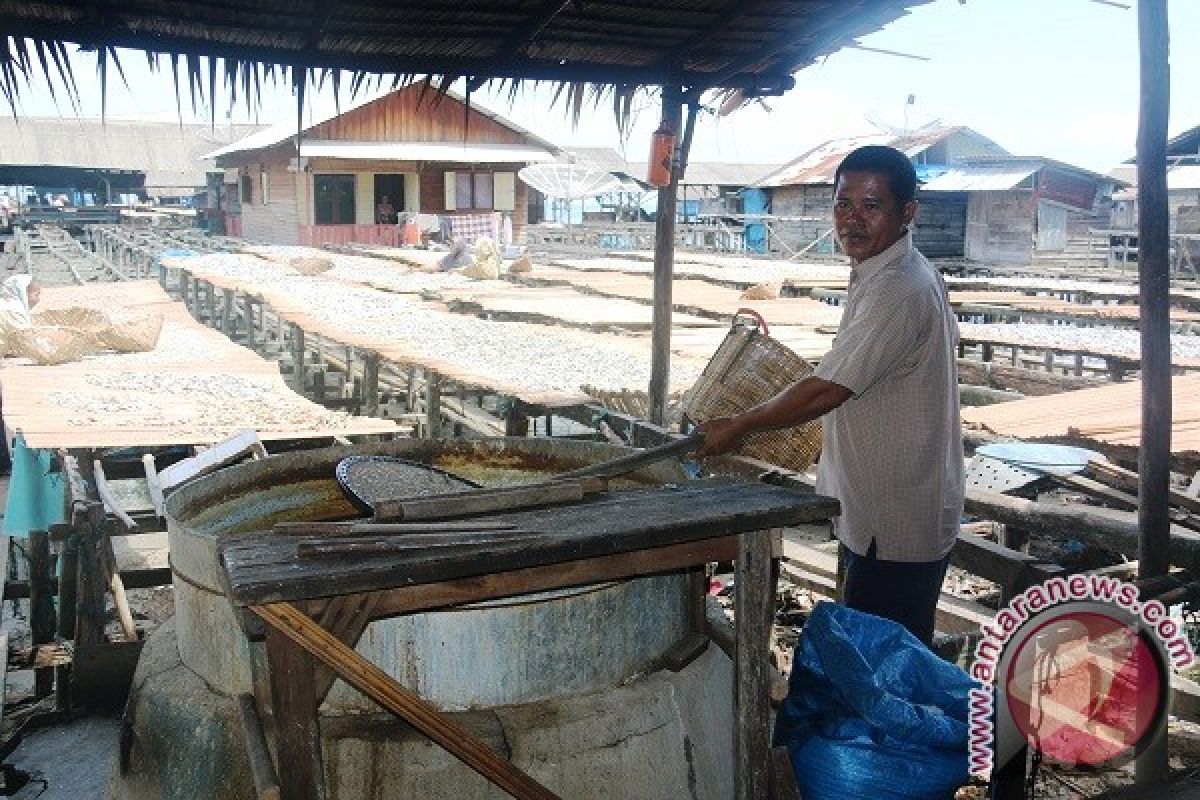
x: 367, y: 480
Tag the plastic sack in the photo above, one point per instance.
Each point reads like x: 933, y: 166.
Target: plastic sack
x: 49, y: 345
x: 310, y: 265
x: 120, y: 330
x: 131, y: 331
x: 871, y: 712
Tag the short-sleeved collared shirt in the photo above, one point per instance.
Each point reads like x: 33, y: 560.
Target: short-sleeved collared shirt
x: 892, y: 453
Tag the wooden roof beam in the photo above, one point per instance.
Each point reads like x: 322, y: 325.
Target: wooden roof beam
x: 719, y: 25
x: 519, y: 39
x: 323, y: 11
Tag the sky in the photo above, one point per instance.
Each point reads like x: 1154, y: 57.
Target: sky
x: 1055, y: 78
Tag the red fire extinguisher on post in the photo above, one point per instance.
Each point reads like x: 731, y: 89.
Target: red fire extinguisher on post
x: 662, y: 154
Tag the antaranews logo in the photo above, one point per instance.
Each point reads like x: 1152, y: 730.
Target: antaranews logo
x: 1078, y: 667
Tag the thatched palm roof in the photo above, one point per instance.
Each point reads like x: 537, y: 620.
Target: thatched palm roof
x: 620, y: 45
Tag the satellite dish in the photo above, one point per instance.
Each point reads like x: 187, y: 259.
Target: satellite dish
x: 568, y: 180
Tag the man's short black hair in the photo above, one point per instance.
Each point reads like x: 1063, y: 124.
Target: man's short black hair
x: 902, y: 178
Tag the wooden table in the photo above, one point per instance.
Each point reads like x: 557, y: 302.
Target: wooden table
x: 316, y: 606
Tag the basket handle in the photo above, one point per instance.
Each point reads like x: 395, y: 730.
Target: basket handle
x: 759, y: 322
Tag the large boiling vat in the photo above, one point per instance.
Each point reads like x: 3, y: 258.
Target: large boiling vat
x: 564, y: 681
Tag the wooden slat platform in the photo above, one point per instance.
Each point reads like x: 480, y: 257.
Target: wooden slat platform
x: 690, y: 295
x: 196, y: 387
x: 1107, y: 414
x: 264, y: 567
x: 558, y: 305
x: 740, y: 276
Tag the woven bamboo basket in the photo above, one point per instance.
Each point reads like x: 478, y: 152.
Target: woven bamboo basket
x: 749, y: 368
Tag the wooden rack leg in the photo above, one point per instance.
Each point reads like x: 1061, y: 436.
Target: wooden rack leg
x: 754, y: 611
x: 41, y: 606
x: 433, y: 405
x: 285, y: 619
x: 370, y: 386
x: 294, y: 708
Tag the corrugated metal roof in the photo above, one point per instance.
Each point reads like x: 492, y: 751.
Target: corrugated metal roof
x: 169, y: 154
x: 709, y: 173
x: 818, y: 165
x: 1038, y: 162
x: 283, y: 131
x: 979, y: 178
x: 1185, y: 177
x: 466, y: 152
x: 1182, y: 176
x: 699, y: 173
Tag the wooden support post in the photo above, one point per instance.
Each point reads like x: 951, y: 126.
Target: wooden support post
x: 298, y: 359
x: 1154, y: 455
x: 754, y: 612
x: 210, y: 314
x: 196, y: 310
x: 516, y: 420
x: 410, y: 398
x: 41, y: 606
x: 294, y: 710
x: 258, y: 325
x: 370, y: 386
x: 664, y: 266
x: 228, y: 313
x: 91, y: 580
x: 1015, y: 538
x: 1116, y: 370
x: 433, y: 405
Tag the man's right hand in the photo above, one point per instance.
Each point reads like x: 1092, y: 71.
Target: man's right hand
x: 721, y: 435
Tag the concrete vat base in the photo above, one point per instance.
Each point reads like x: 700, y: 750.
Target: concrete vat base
x: 661, y: 736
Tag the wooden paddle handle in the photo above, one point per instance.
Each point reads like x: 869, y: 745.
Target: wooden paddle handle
x: 638, y: 460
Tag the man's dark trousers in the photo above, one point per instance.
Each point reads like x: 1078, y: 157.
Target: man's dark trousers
x: 902, y: 591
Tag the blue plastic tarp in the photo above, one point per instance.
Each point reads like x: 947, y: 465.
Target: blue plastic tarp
x: 35, y: 494
x: 872, y: 713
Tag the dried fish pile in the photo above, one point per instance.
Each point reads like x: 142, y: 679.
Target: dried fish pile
x: 213, y: 404
x: 177, y: 343
x: 750, y: 273
x: 1048, y: 285
x: 243, y: 268
x: 353, y: 269
x: 395, y: 278
x: 1100, y: 340
x: 537, y: 358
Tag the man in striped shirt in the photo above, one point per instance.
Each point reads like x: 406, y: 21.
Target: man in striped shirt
x: 888, y: 391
